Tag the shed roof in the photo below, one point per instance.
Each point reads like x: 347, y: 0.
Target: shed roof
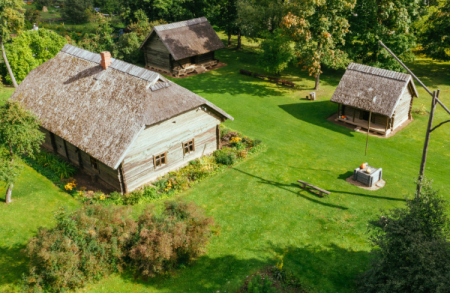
x: 361, y: 83
x: 187, y: 38
x: 102, y: 111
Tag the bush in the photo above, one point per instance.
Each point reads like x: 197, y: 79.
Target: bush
x: 225, y: 156
x: 95, y: 241
x: 176, y: 237
x: 85, y: 245
x: 260, y: 285
x: 410, y: 248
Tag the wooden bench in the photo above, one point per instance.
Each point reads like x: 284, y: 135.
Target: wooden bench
x: 305, y: 184
x: 245, y: 72
x: 288, y: 83
x: 273, y: 79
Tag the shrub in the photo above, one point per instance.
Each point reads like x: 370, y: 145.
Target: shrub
x: 410, y: 248
x: 95, y: 241
x: 225, y: 156
x: 260, y: 285
x: 179, y: 235
x: 85, y: 245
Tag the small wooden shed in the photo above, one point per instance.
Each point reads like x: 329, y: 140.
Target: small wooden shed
x: 182, y: 47
x: 121, y: 123
x: 394, y: 92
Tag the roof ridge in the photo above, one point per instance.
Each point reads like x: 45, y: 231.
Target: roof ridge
x: 384, y: 73
x: 116, y: 64
x: 179, y: 24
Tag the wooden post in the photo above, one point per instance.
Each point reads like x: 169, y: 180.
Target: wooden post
x: 368, y: 130
x: 339, y: 110
x: 427, y: 142
x: 387, y: 124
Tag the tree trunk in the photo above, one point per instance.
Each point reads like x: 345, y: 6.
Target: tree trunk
x: 317, y: 81
x: 239, y: 41
x: 11, y: 74
x: 8, y: 194
x: 229, y: 38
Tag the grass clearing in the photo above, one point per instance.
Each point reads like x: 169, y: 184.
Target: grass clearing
x: 261, y: 210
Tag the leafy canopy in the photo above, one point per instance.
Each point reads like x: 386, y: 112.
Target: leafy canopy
x: 276, y: 52
x: 30, y: 49
x: 75, y: 10
x: 410, y: 248
x: 11, y: 18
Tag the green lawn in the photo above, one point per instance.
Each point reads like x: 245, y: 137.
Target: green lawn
x: 261, y: 211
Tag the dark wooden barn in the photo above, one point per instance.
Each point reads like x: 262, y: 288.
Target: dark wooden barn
x: 182, y: 47
x: 120, y: 123
x: 394, y: 92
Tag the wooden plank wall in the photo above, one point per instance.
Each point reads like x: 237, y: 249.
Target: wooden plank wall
x: 47, y: 143
x: 376, y: 118
x: 168, y: 137
x: 401, y: 113
x: 156, y: 53
x: 203, y: 58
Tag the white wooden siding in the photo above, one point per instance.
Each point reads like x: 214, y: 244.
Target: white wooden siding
x: 401, y: 113
x: 168, y: 137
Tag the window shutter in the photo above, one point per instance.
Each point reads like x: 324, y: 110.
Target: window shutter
x: 165, y: 158
x: 184, y: 150
x: 193, y: 144
x: 154, y: 162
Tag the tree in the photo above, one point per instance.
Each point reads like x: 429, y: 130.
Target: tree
x: 390, y: 21
x: 75, y: 10
x: 410, y: 248
x: 107, y: 6
x: 127, y: 48
x: 32, y: 48
x: 41, y: 3
x: 318, y: 28
x: 225, y: 16
x: 102, y: 39
x: 19, y: 135
x: 32, y: 15
x: 11, y: 19
x: 276, y: 52
x: 435, y: 39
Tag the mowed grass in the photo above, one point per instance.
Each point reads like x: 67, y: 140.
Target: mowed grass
x: 261, y: 211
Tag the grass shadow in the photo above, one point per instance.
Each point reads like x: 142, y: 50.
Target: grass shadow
x: 316, y: 113
x: 13, y: 263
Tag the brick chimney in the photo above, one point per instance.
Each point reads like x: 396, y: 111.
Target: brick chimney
x: 106, y: 59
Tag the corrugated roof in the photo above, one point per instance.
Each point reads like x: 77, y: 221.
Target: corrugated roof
x: 187, y: 38
x: 361, y: 83
x: 101, y: 111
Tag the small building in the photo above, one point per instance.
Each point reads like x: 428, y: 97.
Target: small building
x: 120, y: 123
x: 394, y: 92
x: 182, y: 47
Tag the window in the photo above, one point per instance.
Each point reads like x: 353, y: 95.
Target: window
x: 188, y: 147
x: 364, y: 115
x: 160, y: 160
x: 94, y: 163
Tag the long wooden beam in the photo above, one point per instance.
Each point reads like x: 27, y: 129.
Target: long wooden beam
x: 414, y: 76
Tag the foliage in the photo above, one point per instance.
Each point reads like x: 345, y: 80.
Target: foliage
x: 127, y: 48
x: 276, y: 52
x: 85, y: 245
x: 410, y: 247
x: 9, y: 171
x: 95, y: 241
x: 318, y: 28
x: 108, y: 6
x: 435, y: 39
x: 55, y: 164
x: 32, y: 48
x: 176, y: 237
x: 32, y: 15
x: 225, y: 156
x: 102, y: 39
x: 41, y: 3
x: 260, y: 285
x: 390, y: 21
x: 75, y: 10
x: 224, y: 15
x: 257, y: 17
x: 12, y: 18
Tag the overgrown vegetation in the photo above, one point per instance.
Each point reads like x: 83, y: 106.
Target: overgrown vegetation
x: 62, y: 168
x: 411, y: 247
x: 273, y: 279
x: 94, y: 241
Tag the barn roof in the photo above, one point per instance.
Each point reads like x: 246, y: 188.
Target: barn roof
x: 187, y: 38
x: 361, y: 83
x: 102, y: 111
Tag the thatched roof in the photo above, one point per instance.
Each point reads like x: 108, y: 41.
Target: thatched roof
x: 187, y: 38
x: 102, y: 111
x: 361, y: 83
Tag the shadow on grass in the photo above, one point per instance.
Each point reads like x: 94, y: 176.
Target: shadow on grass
x: 13, y: 263
x: 320, y: 269
x: 289, y: 187
x: 315, y: 113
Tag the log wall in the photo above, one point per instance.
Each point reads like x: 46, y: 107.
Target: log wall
x: 156, y: 54
x: 402, y: 111
x: 167, y: 137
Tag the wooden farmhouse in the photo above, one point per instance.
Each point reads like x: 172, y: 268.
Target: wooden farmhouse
x: 121, y: 123
x: 182, y: 47
x: 394, y: 92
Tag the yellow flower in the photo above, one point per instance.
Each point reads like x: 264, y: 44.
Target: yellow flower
x: 236, y: 139
x: 102, y: 197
